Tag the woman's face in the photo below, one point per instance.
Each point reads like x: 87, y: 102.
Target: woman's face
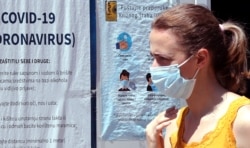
x: 166, y: 51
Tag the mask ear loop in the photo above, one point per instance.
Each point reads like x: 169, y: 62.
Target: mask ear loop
x: 185, y: 61
x: 196, y: 73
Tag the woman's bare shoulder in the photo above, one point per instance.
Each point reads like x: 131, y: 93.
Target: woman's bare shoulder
x: 243, y: 116
x: 241, y: 126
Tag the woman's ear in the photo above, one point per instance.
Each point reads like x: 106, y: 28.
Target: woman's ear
x: 203, y: 57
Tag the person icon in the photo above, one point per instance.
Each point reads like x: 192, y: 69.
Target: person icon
x: 150, y: 86
x: 124, y: 80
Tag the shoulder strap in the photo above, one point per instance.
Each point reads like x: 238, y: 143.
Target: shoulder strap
x: 234, y: 107
x: 182, y: 113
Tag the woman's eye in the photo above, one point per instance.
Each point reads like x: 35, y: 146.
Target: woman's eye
x: 162, y: 61
x: 160, y: 58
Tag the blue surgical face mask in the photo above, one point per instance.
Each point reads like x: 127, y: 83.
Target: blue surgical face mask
x: 124, y: 83
x: 169, y: 81
x: 154, y: 88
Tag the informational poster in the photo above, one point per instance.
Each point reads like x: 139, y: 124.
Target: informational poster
x: 128, y: 101
x: 44, y: 74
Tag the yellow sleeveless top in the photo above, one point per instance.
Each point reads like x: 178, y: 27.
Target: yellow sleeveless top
x: 221, y: 137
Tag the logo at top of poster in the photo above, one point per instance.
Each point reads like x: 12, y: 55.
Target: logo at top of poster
x: 111, y: 10
x: 124, y: 42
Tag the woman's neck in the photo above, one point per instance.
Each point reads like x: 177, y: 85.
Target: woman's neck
x: 206, y: 98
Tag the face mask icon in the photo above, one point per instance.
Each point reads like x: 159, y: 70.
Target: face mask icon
x: 124, y: 42
x: 124, y: 83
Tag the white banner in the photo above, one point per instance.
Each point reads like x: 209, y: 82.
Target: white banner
x: 44, y: 74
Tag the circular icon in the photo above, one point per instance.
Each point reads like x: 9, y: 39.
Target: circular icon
x: 124, y: 42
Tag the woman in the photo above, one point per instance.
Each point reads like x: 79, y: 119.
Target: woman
x: 198, y: 59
